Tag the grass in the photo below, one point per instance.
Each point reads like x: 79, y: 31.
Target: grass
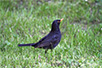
x: 29, y: 21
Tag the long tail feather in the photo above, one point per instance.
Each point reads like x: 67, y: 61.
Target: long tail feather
x: 31, y: 44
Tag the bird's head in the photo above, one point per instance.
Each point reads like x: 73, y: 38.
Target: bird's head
x: 56, y: 23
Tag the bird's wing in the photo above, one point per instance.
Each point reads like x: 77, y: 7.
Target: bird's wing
x: 49, y: 40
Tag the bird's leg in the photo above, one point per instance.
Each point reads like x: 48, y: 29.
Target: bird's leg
x: 51, y: 47
x: 46, y: 51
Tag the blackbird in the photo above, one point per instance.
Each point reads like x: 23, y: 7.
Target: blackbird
x: 51, y: 40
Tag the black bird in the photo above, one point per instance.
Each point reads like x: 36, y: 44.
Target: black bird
x: 51, y: 40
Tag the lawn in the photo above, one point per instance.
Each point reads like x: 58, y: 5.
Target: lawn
x: 29, y: 21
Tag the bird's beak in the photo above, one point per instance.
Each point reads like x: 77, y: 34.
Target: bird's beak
x: 61, y: 20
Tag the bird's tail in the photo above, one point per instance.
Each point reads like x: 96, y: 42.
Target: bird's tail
x: 31, y: 44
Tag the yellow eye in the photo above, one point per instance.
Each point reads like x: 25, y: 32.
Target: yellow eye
x: 58, y: 21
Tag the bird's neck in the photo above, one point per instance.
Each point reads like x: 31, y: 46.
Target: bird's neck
x: 55, y: 29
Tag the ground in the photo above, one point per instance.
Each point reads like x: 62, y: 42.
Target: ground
x: 29, y: 21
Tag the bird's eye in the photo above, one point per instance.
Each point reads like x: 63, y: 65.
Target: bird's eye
x: 58, y: 21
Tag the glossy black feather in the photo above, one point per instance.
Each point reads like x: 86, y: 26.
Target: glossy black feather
x: 51, y: 40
